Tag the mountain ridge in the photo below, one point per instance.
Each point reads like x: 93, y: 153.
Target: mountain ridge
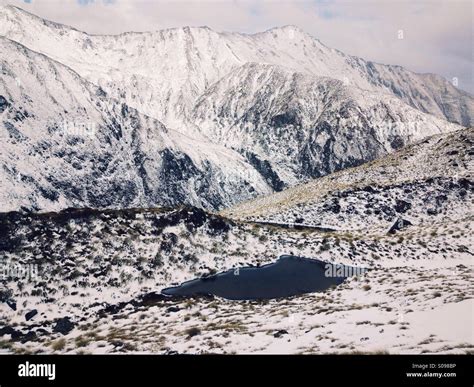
x: 427, y: 182
x: 363, y: 74
x: 222, y: 120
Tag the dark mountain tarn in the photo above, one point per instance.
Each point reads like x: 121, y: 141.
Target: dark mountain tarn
x: 288, y: 276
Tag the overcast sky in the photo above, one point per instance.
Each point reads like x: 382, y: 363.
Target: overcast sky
x: 437, y: 35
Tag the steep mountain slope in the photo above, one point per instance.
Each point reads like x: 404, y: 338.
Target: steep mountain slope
x: 162, y: 73
x: 427, y: 182
x: 236, y: 124
x: 306, y: 126
x: 66, y: 143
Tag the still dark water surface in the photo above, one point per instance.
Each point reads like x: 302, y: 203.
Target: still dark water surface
x: 288, y: 276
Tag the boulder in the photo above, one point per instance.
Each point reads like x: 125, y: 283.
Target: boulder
x: 63, y: 325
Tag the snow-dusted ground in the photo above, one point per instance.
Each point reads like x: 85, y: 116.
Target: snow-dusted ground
x: 424, y: 308
x: 102, y: 272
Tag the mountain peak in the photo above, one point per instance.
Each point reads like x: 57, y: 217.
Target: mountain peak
x: 23, y: 17
x: 14, y: 8
x: 170, y: 56
x: 288, y: 29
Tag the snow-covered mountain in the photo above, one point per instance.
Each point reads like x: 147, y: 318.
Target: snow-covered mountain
x: 306, y: 126
x: 162, y: 73
x: 193, y: 116
x: 65, y: 143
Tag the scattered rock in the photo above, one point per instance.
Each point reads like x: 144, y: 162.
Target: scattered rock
x: 4, y: 104
x: 7, y: 330
x: 11, y: 304
x: 63, y: 326
x: 151, y: 299
x: 401, y: 206
x: 399, y: 224
x: 18, y: 335
x: 280, y: 333
x: 191, y: 332
x: 30, y: 336
x: 31, y: 314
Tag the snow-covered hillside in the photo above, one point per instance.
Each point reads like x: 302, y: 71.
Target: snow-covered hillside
x: 429, y: 182
x: 95, y: 275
